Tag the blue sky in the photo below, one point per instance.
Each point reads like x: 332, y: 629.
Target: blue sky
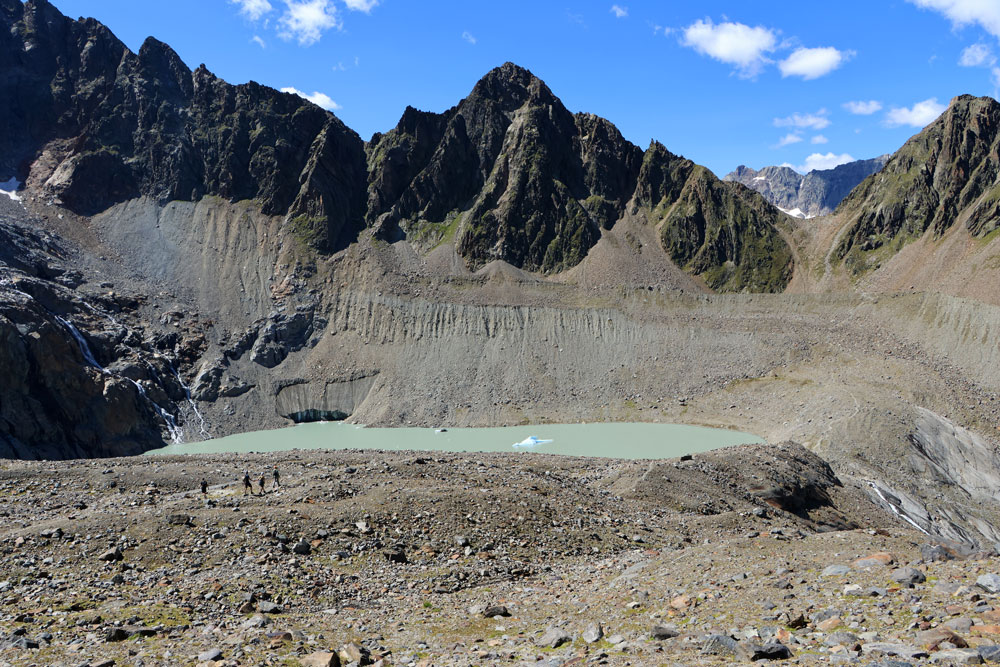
x: 721, y: 82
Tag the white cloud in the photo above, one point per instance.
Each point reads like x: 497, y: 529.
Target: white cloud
x: 819, y: 139
x: 816, y: 121
x: 788, y: 140
x: 732, y: 43
x: 919, y: 115
x: 619, y: 11
x: 317, y: 98
x: 306, y: 20
x: 469, y: 37
x: 253, y: 9
x: 813, y: 63
x: 361, y: 5
x: 259, y: 41
x: 821, y: 161
x: 863, y: 108
x: 964, y: 12
x: 977, y: 55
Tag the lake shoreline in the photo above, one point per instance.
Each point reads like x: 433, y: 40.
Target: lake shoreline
x: 612, y: 440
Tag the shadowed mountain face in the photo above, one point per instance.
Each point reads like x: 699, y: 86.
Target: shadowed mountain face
x: 945, y: 175
x: 508, y: 174
x: 534, y: 183
x: 513, y: 175
x: 98, y: 125
x: 817, y: 193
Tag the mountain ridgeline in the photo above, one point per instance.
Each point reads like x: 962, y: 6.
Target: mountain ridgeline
x: 944, y: 176
x: 507, y: 174
x: 817, y: 193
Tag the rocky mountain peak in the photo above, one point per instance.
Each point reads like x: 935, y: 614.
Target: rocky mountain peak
x: 511, y: 86
x: 945, y: 175
x: 806, y: 196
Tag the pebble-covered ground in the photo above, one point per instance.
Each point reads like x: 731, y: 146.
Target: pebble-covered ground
x: 428, y: 559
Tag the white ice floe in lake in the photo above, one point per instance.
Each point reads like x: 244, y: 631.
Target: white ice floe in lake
x: 9, y: 188
x: 531, y: 441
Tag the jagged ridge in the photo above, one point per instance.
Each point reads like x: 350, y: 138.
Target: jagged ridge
x: 946, y: 173
x: 817, y: 193
x: 98, y: 125
x: 508, y: 174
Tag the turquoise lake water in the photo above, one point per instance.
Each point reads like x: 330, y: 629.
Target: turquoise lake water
x: 614, y: 440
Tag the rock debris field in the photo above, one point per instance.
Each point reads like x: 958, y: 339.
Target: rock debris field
x: 749, y: 554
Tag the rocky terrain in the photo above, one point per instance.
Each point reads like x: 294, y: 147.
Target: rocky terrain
x: 189, y: 259
x: 746, y: 554
x: 807, y: 196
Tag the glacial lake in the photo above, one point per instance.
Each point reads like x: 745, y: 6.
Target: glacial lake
x: 608, y: 440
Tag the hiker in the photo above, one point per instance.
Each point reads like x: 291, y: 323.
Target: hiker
x: 247, y: 484
x: 204, y: 487
x: 262, y: 484
x: 275, y: 475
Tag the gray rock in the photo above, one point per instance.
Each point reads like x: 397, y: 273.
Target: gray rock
x: 553, y: 638
x: 353, y: 652
x: 211, y: 655
x: 302, y: 548
x: 593, y: 633
x: 116, y: 635
x: 719, y: 645
x: 835, y: 571
x: 893, y: 650
x: 989, y: 653
x: 908, y: 576
x: 23, y: 643
x: 461, y: 541
x: 111, y: 555
x: 989, y: 583
x: 664, y: 632
x: 841, y: 639
x: 256, y: 621
x: 957, y: 656
x: 616, y: 639
x: 934, y: 552
x: 321, y: 659
x: 266, y: 607
x: 959, y: 624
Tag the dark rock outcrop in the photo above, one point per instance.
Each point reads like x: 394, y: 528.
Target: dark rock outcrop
x: 54, y: 402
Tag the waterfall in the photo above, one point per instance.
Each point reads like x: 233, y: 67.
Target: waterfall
x: 175, y: 431
x: 176, y: 434
x: 82, y: 344
x: 187, y: 395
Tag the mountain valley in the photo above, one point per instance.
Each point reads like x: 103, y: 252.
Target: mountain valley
x: 184, y: 258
